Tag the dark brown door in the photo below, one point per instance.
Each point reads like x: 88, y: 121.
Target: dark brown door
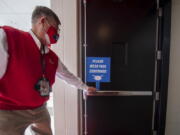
x: 127, y: 32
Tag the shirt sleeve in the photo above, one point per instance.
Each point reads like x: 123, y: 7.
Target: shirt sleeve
x: 3, y: 53
x: 68, y: 77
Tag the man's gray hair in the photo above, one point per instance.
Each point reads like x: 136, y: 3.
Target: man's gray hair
x: 40, y: 11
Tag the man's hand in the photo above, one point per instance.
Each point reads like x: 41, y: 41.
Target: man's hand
x: 91, y: 89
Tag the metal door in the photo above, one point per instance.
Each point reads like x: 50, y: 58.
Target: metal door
x: 128, y: 32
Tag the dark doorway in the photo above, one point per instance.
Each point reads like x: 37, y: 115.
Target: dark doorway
x: 124, y: 30
x: 127, y: 31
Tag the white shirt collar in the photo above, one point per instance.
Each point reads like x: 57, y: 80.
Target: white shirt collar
x: 38, y: 43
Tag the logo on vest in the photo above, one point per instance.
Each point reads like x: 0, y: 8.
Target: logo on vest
x: 51, y: 61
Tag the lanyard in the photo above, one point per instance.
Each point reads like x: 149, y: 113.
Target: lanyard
x: 43, y: 61
x: 43, y: 84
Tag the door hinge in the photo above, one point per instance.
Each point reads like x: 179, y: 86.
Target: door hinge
x: 156, y: 96
x: 85, y: 45
x: 160, y: 12
x: 84, y: 1
x: 159, y: 55
x: 154, y: 132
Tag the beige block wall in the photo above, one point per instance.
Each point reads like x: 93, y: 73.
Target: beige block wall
x: 173, y: 105
x: 66, y: 97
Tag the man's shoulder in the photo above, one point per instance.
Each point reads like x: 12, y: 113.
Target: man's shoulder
x: 12, y: 29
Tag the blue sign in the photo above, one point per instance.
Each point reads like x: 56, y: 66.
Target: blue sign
x: 98, y: 69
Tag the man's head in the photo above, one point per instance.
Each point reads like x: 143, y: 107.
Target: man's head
x: 45, y: 25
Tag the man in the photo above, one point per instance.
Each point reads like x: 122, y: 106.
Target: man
x: 27, y: 73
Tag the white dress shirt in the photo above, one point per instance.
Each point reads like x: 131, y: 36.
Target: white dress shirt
x: 62, y: 72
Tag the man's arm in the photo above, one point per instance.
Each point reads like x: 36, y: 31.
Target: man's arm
x: 68, y: 77
x: 3, y: 53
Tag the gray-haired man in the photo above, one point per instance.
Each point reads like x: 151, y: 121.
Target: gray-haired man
x: 27, y: 72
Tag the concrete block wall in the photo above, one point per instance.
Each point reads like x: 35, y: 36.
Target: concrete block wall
x: 173, y: 106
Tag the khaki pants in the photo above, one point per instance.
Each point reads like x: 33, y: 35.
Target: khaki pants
x: 15, y: 122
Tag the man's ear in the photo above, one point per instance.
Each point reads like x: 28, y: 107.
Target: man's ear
x: 42, y: 19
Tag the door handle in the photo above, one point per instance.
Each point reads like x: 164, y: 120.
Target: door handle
x: 119, y: 93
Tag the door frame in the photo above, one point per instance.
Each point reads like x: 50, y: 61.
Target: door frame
x: 163, y: 74
x: 163, y: 65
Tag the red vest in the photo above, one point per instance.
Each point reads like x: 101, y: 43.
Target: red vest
x: 23, y: 72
